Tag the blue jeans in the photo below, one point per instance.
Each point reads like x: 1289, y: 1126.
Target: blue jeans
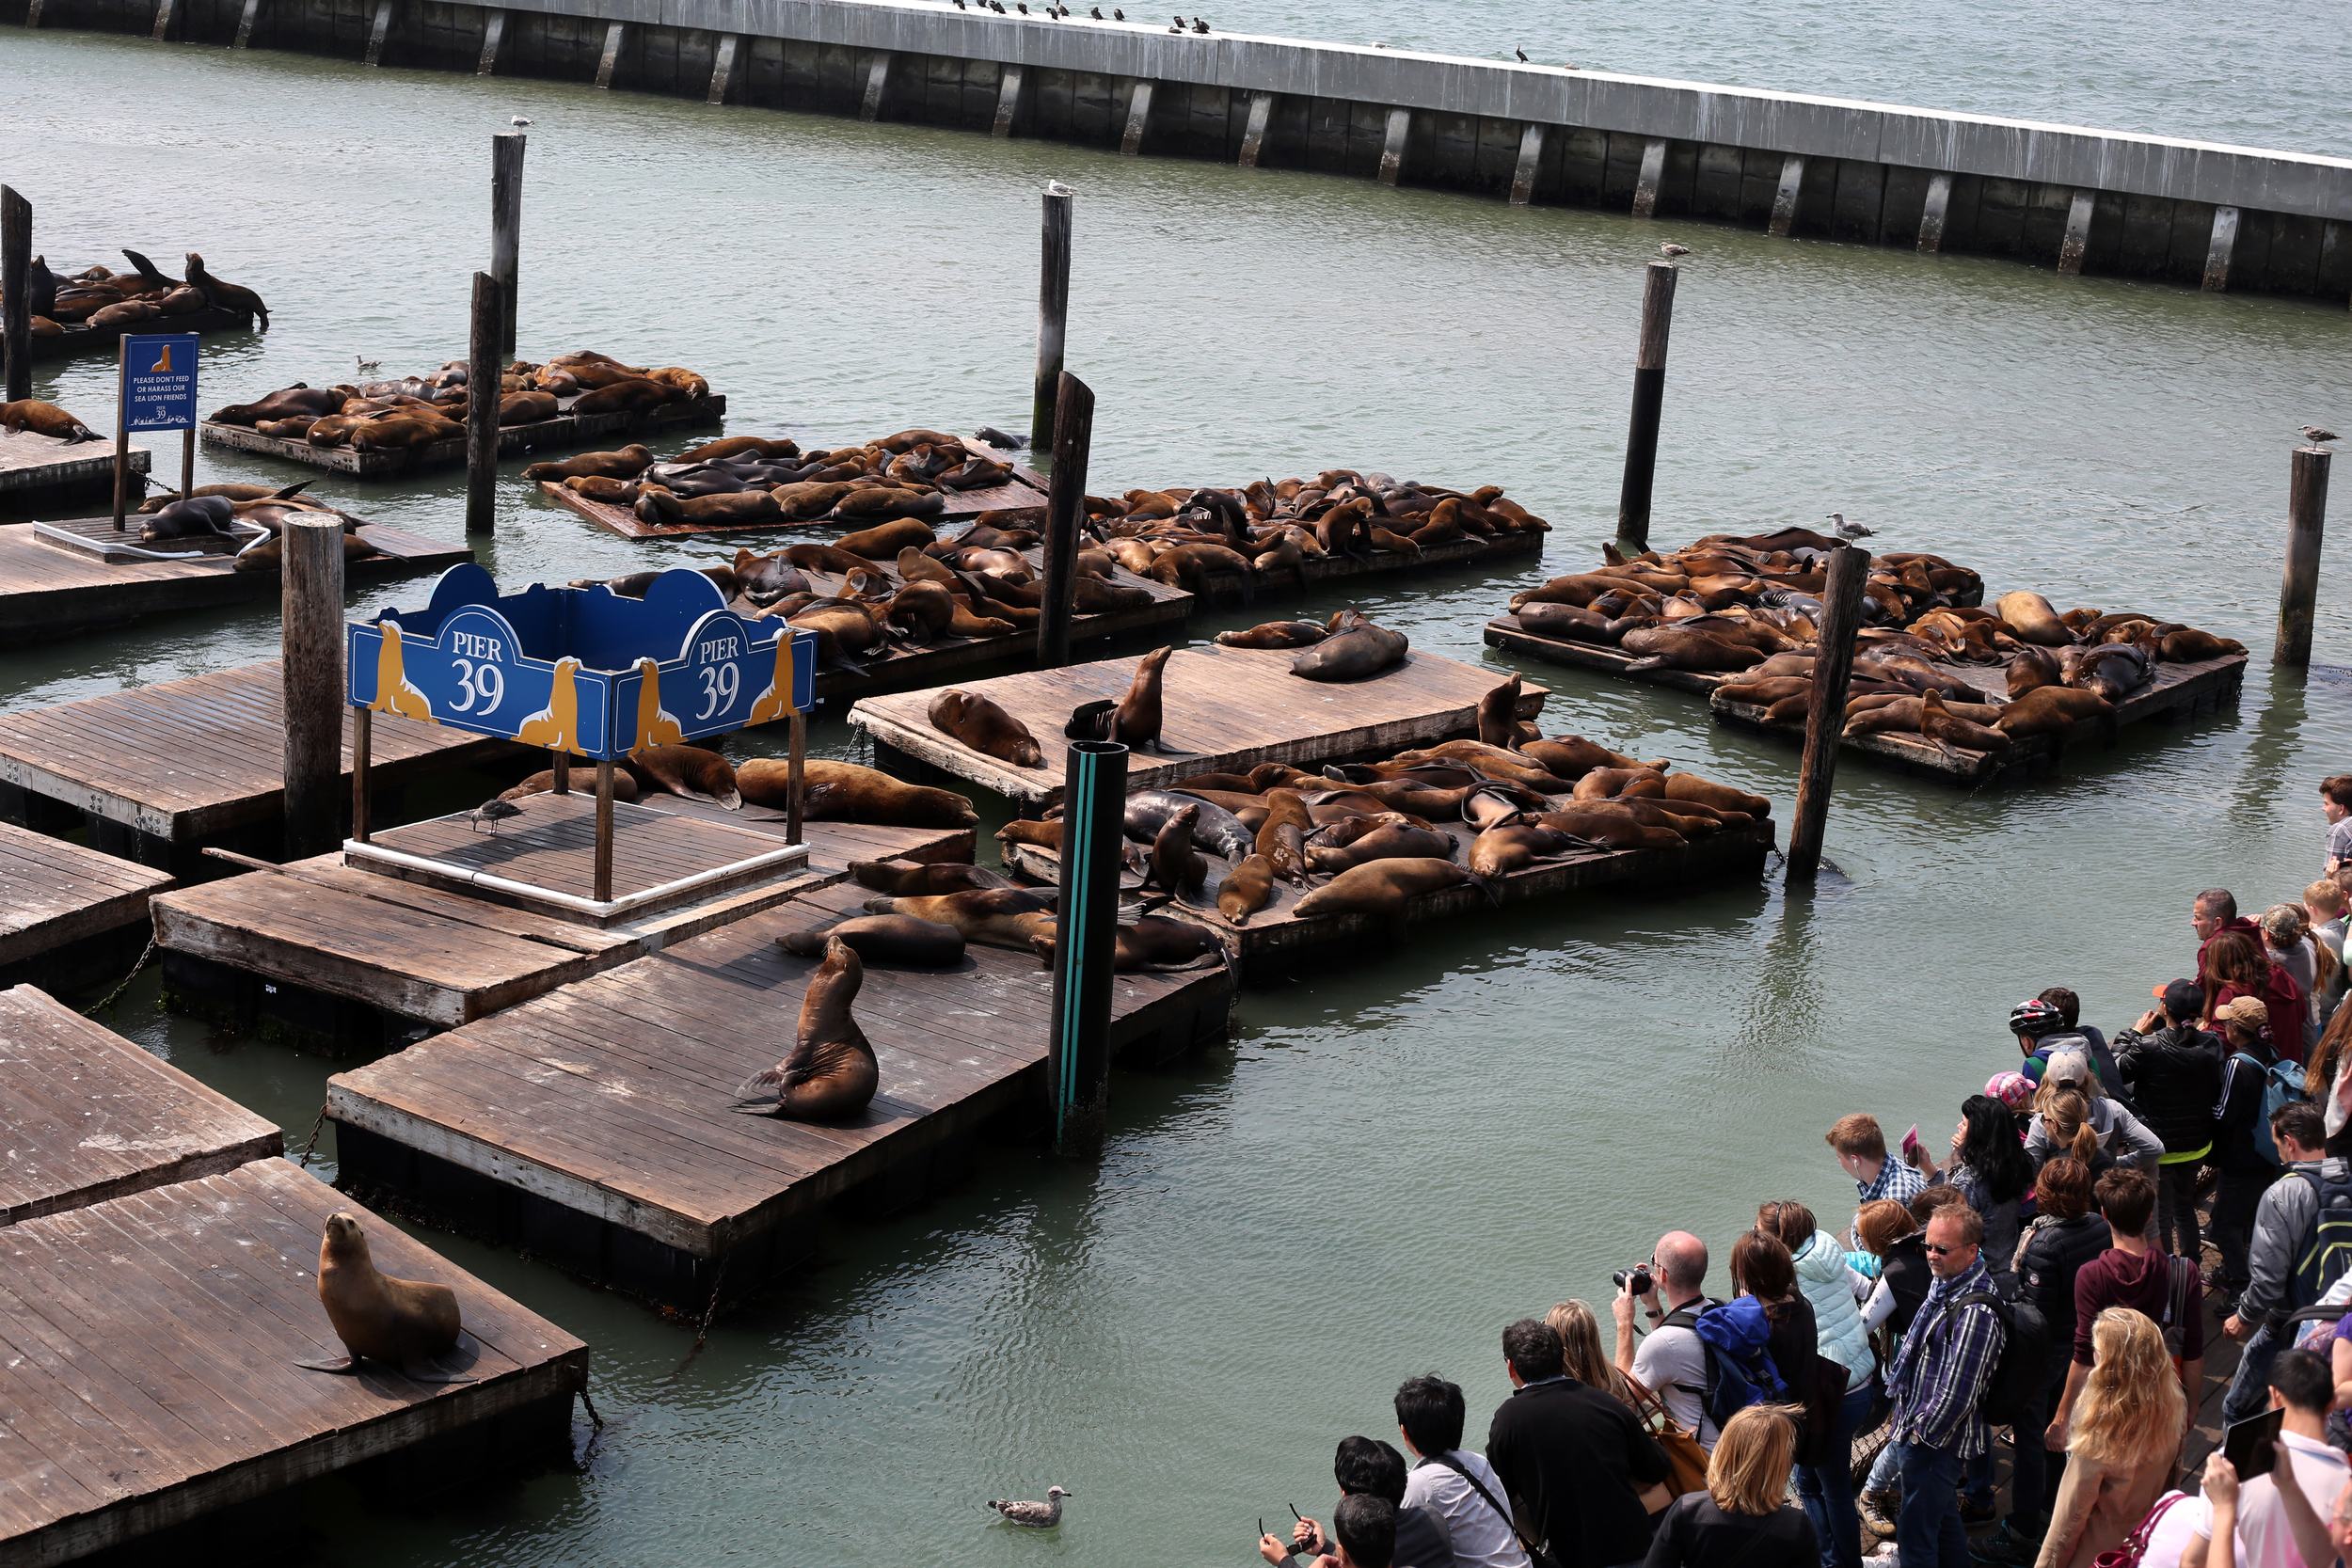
x: 1827, y: 1490
x: 1929, y: 1532
x: 2249, y: 1390
x: 1977, y: 1479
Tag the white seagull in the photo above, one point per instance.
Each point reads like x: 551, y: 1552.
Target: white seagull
x: 520, y: 124
x: 1849, y: 530
x: 1674, y: 252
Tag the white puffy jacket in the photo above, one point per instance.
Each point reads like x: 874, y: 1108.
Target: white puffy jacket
x: 1827, y: 1282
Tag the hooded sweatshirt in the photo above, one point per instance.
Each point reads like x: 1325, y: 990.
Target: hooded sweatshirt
x: 2143, y: 1282
x: 1827, y: 1282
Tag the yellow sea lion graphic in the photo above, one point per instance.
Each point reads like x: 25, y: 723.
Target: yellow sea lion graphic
x: 654, y: 727
x: 776, y: 701
x: 393, y: 692
x: 556, y: 726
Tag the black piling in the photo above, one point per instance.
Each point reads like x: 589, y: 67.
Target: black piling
x: 1078, y: 1057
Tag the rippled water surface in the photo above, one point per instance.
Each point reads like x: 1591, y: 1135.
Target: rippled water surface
x: 1392, y: 1161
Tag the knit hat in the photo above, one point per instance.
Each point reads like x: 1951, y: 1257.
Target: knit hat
x: 2248, y: 1010
x: 2012, y: 1089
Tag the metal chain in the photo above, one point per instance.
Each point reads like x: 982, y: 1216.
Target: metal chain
x: 594, y: 1419
x: 148, y: 954
x: 305, y: 1163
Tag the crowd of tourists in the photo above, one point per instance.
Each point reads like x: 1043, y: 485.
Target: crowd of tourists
x: 2037, y: 1288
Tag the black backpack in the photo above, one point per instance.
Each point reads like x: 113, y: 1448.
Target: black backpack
x: 2021, y: 1371
x: 2327, y: 1249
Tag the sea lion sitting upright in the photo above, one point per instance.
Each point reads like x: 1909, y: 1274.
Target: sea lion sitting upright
x: 228, y: 297
x: 404, y: 1323
x: 887, y: 939
x: 986, y: 727
x: 44, y: 418
x: 686, y: 770
x: 1136, y: 721
x: 1175, y: 865
x: 1499, y: 714
x: 830, y: 1073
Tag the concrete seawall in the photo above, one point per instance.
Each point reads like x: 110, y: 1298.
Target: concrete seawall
x: 2084, y: 200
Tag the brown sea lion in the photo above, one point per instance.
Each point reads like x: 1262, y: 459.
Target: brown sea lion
x: 686, y: 770
x: 1673, y: 647
x: 2114, y: 672
x: 44, y: 418
x: 1617, y: 830
x: 993, y: 917
x: 923, y: 878
x: 409, y: 1324
x: 830, y: 1072
x: 1498, y: 712
x: 286, y: 430
x: 635, y: 395
x: 1515, y: 846
x: 844, y: 792
x: 1282, y: 837
x: 1152, y: 943
x: 1602, y: 783
x: 661, y: 507
x: 1136, y: 722
x: 1385, y: 889
x: 825, y: 557
x: 612, y: 492
x: 2188, y: 644
x: 233, y: 492
x: 740, y: 446
x: 627, y: 462
x: 584, y: 782
x: 1246, y: 888
x: 2030, y: 618
x: 228, y: 296
x: 2052, y: 710
x: 270, y: 554
x: 404, y: 431
x: 1273, y: 634
x: 525, y: 408
x: 124, y: 313
x: 1392, y: 841
x: 1043, y: 835
x: 1951, y: 733
x: 1175, y: 866
x: 886, y: 939
x: 1572, y: 756
x: 984, y: 726
x: 883, y: 541
x: 1706, y: 792
x: 1356, y: 650
x: 2033, y: 666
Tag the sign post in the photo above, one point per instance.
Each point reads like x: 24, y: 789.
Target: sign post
x: 156, y: 390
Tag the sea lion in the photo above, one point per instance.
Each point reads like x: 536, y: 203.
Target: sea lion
x: 1174, y: 865
x: 1676, y: 647
x: 1282, y: 840
x: 1498, y: 712
x: 663, y: 509
x: 1214, y: 827
x: 1042, y: 835
x: 623, y: 783
x: 1273, y: 634
x: 2033, y: 666
x: 269, y: 555
x: 886, y: 540
x: 228, y: 296
x: 1572, y: 756
x: 740, y: 446
x: 1601, y: 783
x: 627, y: 462
x: 2030, y: 618
x: 405, y: 1323
x: 124, y: 313
x: 634, y: 395
x: 44, y: 418
x: 924, y: 878
x: 1392, y: 841
x: 284, y: 404
x: 1951, y: 733
x: 1515, y: 846
x: 1136, y: 722
x: 2189, y: 644
x: 1384, y: 889
x: 844, y: 792
x: 1356, y: 650
x: 984, y: 726
x: 2114, y: 672
x: 826, y: 558
x: 889, y: 939
x: 404, y: 432
x: 2052, y: 710
x: 197, y: 518
x: 1616, y: 830
x: 766, y: 578
x: 830, y: 1072
x: 1153, y: 941
x: 993, y: 917
x: 233, y: 492
x: 1246, y: 888
x: 686, y: 770
x: 1706, y: 792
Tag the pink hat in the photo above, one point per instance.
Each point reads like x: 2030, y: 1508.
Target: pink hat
x: 2012, y: 1089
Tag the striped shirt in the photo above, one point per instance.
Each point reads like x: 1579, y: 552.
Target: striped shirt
x: 1896, y: 1179
x: 1940, y: 1372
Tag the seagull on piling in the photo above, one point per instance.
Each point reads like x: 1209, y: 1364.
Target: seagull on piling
x: 2319, y: 437
x: 487, y: 816
x: 520, y: 124
x: 1847, y: 531
x: 1674, y: 252
x: 1045, y: 1516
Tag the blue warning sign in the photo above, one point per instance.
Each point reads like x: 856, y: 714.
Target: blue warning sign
x: 159, y: 381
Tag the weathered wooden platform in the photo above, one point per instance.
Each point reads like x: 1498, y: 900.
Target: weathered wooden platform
x: 591, y: 1126
x: 2178, y: 693
x: 564, y: 430
x: 81, y: 338
x: 959, y: 505
x: 1277, y: 938
x: 69, y: 916
x: 49, y: 591
x: 1224, y: 710
x: 1504, y: 631
x: 87, y: 1116
x: 159, y: 771
x: 1455, y: 555
x: 148, y: 1351
x: 350, y: 961
x: 41, y: 473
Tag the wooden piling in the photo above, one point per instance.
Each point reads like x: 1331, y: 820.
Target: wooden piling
x: 1531, y: 160
x: 1073, y: 433
x: 610, y: 61
x: 163, y: 10
x: 1053, y: 310
x: 1784, y: 198
x: 246, y: 20
x: 2299, y: 591
x: 795, y: 779
x: 723, y: 66
x: 1931, y: 214
x: 2219, y: 249
x: 493, y: 34
x: 1652, y: 175
x: 1138, y: 117
x: 507, y: 226
x: 482, y: 408
x: 1825, y: 722
x: 1253, y: 132
x: 559, y: 763
x: 16, y: 307
x: 1007, y: 101
x: 377, y: 32
x: 1078, y: 1057
x: 312, y: 641
x: 877, y: 78
x: 1392, y: 146
x: 604, y: 830
x: 1649, y: 397
x: 2078, y: 238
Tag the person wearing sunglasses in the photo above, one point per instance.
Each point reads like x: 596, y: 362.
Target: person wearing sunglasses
x: 1937, y: 1378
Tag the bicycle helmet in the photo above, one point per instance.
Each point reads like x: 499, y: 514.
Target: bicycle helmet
x: 2035, y: 1019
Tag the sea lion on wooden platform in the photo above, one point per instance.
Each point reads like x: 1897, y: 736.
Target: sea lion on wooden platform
x: 686, y: 770
x: 1615, y: 829
x: 924, y: 878
x: 284, y: 404
x: 584, y: 782
x: 740, y: 446
x: 1282, y: 840
x: 662, y: 509
x: 984, y: 726
x: 1681, y: 648
x: 844, y: 792
x: 612, y: 492
x: 1572, y: 756
x: 409, y: 1325
x: 404, y: 431
x: 197, y: 518
x: 2032, y: 667
x: 125, y: 313
x: 1246, y: 888
x: 1136, y: 722
x: 1355, y: 650
x: 228, y: 296
x: 2031, y: 618
x: 1043, y: 835
x: 635, y: 395
x: 1175, y: 866
x: 888, y: 938
x: 2114, y: 671
x: 1154, y: 941
x: 627, y: 462
x: 1515, y: 846
x: 525, y: 408
x: 2052, y: 710
x: 44, y: 418
x: 993, y: 917
x: 830, y: 1073
x: 2188, y: 644
x: 1706, y: 792
x: 1951, y: 734
x: 826, y: 558
x: 1601, y: 783
x: 766, y: 578
x: 1214, y: 827
x: 1499, y: 714
x: 922, y: 612
x: 1384, y: 889
x: 233, y: 492
x: 1273, y: 634
x: 1389, y: 842
x: 883, y: 541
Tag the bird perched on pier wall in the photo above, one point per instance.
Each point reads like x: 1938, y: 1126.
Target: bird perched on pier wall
x: 1522, y: 53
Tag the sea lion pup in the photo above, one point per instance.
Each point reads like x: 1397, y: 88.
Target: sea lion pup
x: 1383, y: 889
x: 986, y: 728
x: 686, y: 770
x: 405, y: 1323
x: 844, y: 792
x: 993, y: 917
x: 918, y: 879
x: 584, y: 782
x: 228, y: 297
x: 1515, y: 846
x: 1499, y: 714
x: 44, y: 418
x: 1154, y: 941
x: 1176, y: 868
x: 830, y: 1072
x: 887, y: 939
x: 1393, y: 841
x: 1273, y: 634
x: 627, y: 462
x: 1246, y: 888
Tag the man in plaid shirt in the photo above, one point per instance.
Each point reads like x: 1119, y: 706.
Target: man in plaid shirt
x: 1862, y: 1152
x: 1937, y: 1377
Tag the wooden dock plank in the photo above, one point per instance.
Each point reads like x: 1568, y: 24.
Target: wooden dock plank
x: 55, y: 895
x: 1226, y: 710
x: 957, y: 506
x: 1504, y: 631
x: 36, y: 470
x: 564, y: 430
x: 92, y: 1117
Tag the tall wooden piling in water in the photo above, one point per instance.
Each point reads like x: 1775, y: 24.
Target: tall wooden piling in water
x: 2299, y: 591
x: 1053, y: 310
x: 482, y: 381
x: 1073, y: 435
x: 1078, y: 1055
x: 507, y: 226
x: 16, y: 307
x: 1826, y: 721
x: 311, y: 646
x: 1649, y: 398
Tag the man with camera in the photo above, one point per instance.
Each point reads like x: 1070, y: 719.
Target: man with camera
x: 1672, y: 1360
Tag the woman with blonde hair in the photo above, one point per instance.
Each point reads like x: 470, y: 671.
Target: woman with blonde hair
x: 1580, y: 1341
x: 2072, y: 1116
x: 2125, y: 1438
x: 1742, y: 1517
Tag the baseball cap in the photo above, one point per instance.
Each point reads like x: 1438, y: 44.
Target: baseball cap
x: 2181, y: 998
x: 2246, y: 1009
x: 2012, y: 1089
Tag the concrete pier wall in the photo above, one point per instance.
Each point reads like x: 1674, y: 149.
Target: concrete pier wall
x: 2187, y: 212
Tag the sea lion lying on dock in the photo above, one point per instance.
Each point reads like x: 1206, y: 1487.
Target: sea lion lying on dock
x: 924, y: 878
x: 993, y: 917
x: 627, y: 463
x: 830, y: 1073
x: 1275, y: 634
x: 984, y: 726
x: 844, y: 792
x: 899, y: 939
x: 1356, y: 649
x: 584, y: 782
x: 686, y: 770
x: 44, y: 418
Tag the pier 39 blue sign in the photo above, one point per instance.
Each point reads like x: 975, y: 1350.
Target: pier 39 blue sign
x: 159, y: 381
x: 581, y: 670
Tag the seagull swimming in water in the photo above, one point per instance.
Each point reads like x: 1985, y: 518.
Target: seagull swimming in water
x: 368, y: 364
x: 1674, y: 252
x: 2318, y: 436
x: 520, y: 124
x: 1045, y: 1516
x: 487, y: 816
x: 1846, y: 529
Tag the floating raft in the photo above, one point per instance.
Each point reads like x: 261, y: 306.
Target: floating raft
x: 160, y: 770
x: 1327, y: 568
x: 51, y: 586
x: 1224, y: 710
x: 564, y: 430
x: 38, y: 473
x: 148, y: 1351
x: 361, y: 960
x: 960, y: 504
x: 1505, y: 632
x: 89, y: 1116
x: 82, y: 337
x: 69, y: 916
x: 591, y: 1126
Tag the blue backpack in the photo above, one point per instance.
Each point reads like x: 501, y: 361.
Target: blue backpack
x: 2282, y: 1087
x: 1739, y: 1370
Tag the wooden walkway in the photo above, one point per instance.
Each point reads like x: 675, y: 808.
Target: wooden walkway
x: 960, y: 504
x: 591, y: 1126
x: 1226, y: 710
x: 41, y: 472
x: 48, y: 591
x: 69, y: 915
x: 564, y: 430
x: 85, y: 1116
x: 148, y: 1351
x: 1459, y: 553
x: 195, y: 761
x: 289, y: 945
x: 1275, y: 940
x: 82, y: 337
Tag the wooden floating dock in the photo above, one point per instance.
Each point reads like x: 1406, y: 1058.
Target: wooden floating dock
x: 1505, y: 632
x: 564, y: 430
x: 48, y: 590
x: 1327, y: 568
x: 591, y: 1126
x: 960, y: 504
x: 148, y: 1351
x: 69, y: 916
x: 1225, y: 711
x: 90, y: 1116
x: 1277, y: 938
x: 82, y: 337
x: 161, y: 770
x: 42, y: 473
x: 355, y: 962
